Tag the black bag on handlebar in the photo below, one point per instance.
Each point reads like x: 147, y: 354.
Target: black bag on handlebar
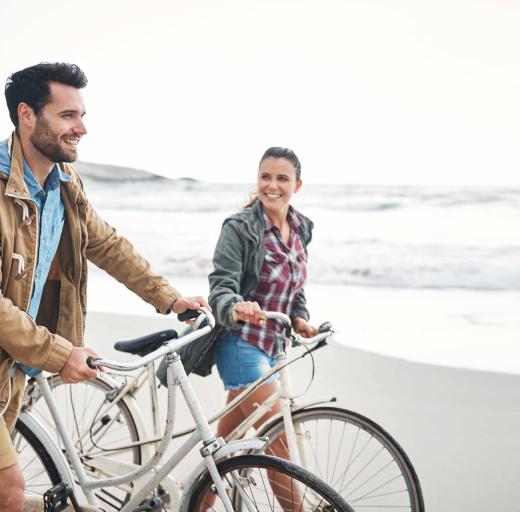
x: 197, y: 357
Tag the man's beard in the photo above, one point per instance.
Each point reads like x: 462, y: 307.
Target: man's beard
x: 47, y: 143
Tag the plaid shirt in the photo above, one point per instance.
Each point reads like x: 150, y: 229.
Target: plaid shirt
x: 283, y: 274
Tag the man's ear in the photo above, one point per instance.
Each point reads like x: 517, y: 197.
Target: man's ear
x: 26, y: 115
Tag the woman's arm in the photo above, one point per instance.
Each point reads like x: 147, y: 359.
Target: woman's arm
x: 300, y: 316
x: 299, y: 306
x: 226, y: 278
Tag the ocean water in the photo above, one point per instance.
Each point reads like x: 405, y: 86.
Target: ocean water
x: 425, y: 274
x: 398, y: 237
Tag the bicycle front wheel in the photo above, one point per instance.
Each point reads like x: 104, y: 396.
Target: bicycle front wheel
x: 39, y: 469
x: 355, y: 456
x: 102, y: 431
x: 263, y: 483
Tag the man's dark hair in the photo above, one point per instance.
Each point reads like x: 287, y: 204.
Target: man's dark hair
x: 288, y: 154
x: 31, y: 85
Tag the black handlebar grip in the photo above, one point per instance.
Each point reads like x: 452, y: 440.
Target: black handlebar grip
x: 324, y: 327
x: 90, y: 364
x: 189, y: 314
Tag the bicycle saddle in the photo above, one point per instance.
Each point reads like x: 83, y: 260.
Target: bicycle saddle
x: 146, y: 344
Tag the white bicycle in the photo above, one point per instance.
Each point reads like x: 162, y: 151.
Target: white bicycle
x: 222, y: 481
x: 347, y: 450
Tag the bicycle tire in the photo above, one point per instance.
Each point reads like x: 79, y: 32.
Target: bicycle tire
x: 38, y: 467
x: 377, y: 474
x: 310, y: 492
x: 91, y: 395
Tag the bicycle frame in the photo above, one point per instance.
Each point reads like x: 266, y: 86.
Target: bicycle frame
x: 213, y: 448
x: 283, y: 396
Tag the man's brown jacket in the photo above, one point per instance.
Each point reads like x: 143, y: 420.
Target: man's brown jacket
x: 46, y: 343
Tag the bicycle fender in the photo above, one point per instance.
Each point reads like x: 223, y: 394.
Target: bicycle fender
x: 294, y: 408
x: 245, y: 445
x: 54, y: 451
x: 255, y: 443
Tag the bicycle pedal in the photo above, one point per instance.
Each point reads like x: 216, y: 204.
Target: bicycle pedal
x: 56, y: 499
x: 84, y: 508
x: 151, y: 505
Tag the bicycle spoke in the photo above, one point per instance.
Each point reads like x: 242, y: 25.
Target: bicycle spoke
x: 355, y: 457
x: 363, y: 468
x: 84, y: 409
x: 338, y: 452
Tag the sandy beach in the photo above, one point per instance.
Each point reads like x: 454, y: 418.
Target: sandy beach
x: 459, y: 427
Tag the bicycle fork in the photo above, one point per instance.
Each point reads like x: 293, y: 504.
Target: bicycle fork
x: 294, y: 441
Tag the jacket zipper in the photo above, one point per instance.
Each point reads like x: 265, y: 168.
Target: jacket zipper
x: 36, y: 249
x: 80, y: 261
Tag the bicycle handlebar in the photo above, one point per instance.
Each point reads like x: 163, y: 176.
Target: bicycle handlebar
x: 203, y: 325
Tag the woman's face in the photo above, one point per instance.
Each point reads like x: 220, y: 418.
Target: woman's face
x: 276, y: 184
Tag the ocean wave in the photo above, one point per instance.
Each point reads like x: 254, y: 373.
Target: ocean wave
x: 453, y: 270
x: 389, y: 264
x: 187, y: 195
x: 412, y: 237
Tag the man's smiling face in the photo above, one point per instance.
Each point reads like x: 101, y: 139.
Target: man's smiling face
x: 59, y: 125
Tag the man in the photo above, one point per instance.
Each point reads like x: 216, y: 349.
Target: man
x: 48, y: 230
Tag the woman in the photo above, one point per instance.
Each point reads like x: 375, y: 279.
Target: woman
x: 260, y: 263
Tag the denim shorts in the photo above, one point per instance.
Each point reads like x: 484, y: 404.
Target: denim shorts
x: 240, y: 363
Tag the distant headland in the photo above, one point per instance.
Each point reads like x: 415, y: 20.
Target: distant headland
x: 106, y: 172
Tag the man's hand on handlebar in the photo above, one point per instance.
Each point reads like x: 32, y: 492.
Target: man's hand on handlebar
x: 181, y: 304
x: 304, y: 328
x: 76, y: 368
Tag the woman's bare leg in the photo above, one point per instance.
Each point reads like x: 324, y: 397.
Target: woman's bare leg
x: 286, y: 494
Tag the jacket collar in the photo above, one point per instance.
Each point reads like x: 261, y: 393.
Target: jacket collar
x: 254, y: 224
x: 303, y: 224
x: 16, y: 185
x: 293, y: 218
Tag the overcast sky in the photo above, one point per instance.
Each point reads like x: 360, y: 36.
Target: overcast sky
x: 377, y: 92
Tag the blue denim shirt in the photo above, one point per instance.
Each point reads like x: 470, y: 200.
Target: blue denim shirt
x: 51, y: 217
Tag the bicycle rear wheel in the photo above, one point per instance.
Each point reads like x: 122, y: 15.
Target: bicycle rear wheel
x: 263, y: 483
x: 355, y: 456
x: 100, y: 430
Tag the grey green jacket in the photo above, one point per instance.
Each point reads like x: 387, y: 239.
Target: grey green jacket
x: 238, y: 260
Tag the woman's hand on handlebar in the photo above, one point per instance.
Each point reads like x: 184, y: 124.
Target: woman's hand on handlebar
x: 249, y: 312
x: 304, y: 328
